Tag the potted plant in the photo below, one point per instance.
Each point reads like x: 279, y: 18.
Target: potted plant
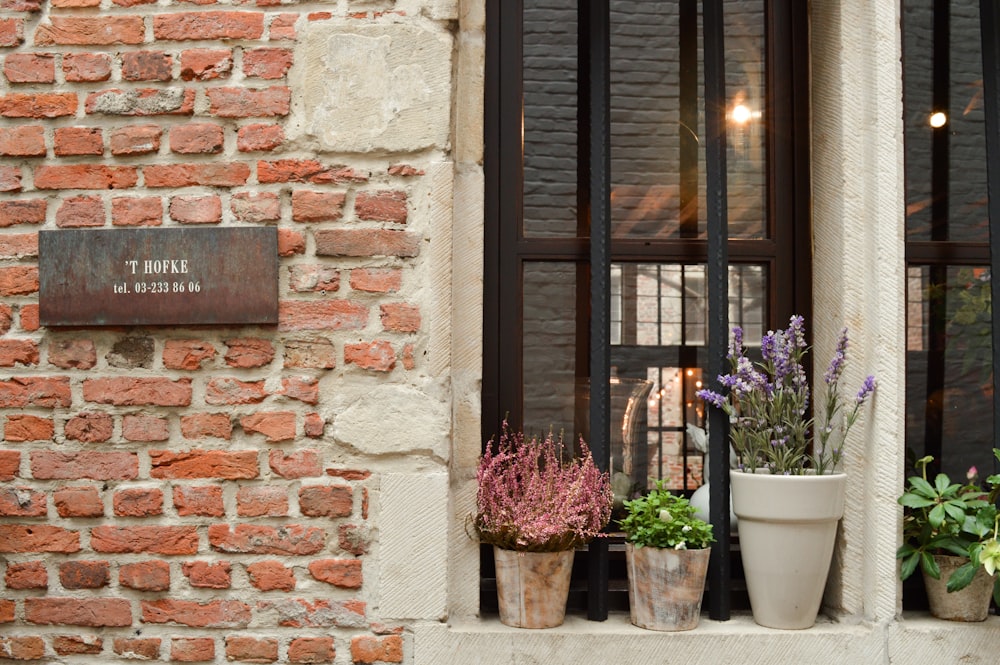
x: 536, y: 503
x: 787, y: 490
x: 666, y: 553
x: 950, y: 532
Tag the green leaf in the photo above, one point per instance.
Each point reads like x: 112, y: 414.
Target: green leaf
x: 936, y: 516
x: 941, y: 483
x: 911, y: 500
x: 962, y: 577
x: 909, y: 565
x: 955, y: 511
x: 922, y: 487
x: 929, y: 565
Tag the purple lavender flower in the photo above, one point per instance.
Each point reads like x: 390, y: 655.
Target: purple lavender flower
x: 736, y: 343
x: 796, y: 331
x: 712, y: 397
x: 769, y: 346
x: 866, y: 389
x: 836, y: 367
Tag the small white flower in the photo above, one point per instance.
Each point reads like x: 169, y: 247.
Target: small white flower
x: 681, y: 546
x: 665, y: 516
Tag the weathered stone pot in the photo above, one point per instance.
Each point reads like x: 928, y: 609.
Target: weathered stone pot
x: 969, y: 604
x: 788, y: 526
x: 532, y: 587
x: 665, y: 586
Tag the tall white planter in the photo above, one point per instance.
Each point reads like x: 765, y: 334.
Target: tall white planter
x: 788, y: 526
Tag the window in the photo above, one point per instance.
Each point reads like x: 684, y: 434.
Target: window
x: 949, y: 99
x: 598, y: 129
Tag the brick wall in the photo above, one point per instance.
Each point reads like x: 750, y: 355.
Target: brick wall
x: 178, y: 494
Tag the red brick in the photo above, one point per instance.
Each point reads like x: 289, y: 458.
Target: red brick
x: 367, y: 649
x: 209, y: 25
x: 229, y: 464
x: 29, y: 318
x: 22, y: 502
x: 22, y: 647
x: 21, y: 5
x: 30, y: 68
x: 317, y: 206
x: 147, y: 66
x: 303, y: 389
x: 366, y: 242
x: 256, y: 207
x: 316, y: 353
x: 205, y: 501
x: 271, y: 576
x: 85, y: 176
x: 132, y: 3
x: 313, y: 425
x: 72, y: 645
x: 300, y: 464
x: 261, y: 501
x: 78, y: 612
x: 290, y: 242
x: 381, y: 206
x: 196, y: 137
x: 203, y: 64
x: 135, y: 140
x: 90, y: 427
x: 27, y: 575
x: 86, y: 67
x: 208, y: 575
x: 10, y: 179
x: 400, y: 317
x: 353, y: 539
x: 84, y: 31
x: 288, y: 540
x: 84, y: 574
x: 306, y: 170
x: 249, y: 103
x: 233, y: 391
x: 25, y: 427
x: 39, y: 105
x: 6, y: 318
x: 75, y: 4
x: 136, y: 211
x: 196, y: 209
x: 80, y: 211
x: 326, y: 500
x: 125, y: 391
x: 249, y: 353
x: 201, y: 425
x: 145, y: 648
x: 167, y: 540
x: 11, y: 31
x: 78, y: 141
x: 23, y: 141
x: 19, y: 245
x: 18, y: 352
x: 299, y: 613
x: 209, y: 614
x: 321, y: 315
x: 186, y: 354
x: 78, y: 502
x: 40, y: 391
x: 18, y: 281
x: 72, y: 353
x: 138, y: 502
x: 251, y: 649
x: 311, y: 650
x: 145, y: 428
x: 192, y: 649
x: 188, y: 175
x: 267, y: 63
x: 141, y: 103
x: 259, y: 137
x: 377, y: 355
x: 343, y: 573
x: 404, y: 170
x: 276, y: 426
x: 10, y: 464
x: 283, y: 26
x: 151, y: 575
x: 29, y: 211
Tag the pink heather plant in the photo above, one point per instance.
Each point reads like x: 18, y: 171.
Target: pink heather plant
x: 530, y: 500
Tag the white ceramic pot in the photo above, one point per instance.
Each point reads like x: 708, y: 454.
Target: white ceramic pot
x: 532, y: 587
x: 788, y: 526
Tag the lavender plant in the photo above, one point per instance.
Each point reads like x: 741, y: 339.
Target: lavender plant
x: 534, y: 496
x: 768, y: 405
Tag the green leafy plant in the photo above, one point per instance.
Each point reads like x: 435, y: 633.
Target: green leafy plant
x: 945, y: 517
x: 661, y: 519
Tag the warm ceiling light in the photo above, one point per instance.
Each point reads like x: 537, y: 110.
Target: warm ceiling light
x: 741, y: 114
x: 938, y: 119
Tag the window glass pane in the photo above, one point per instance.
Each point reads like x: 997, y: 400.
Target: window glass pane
x: 949, y: 398
x: 943, y: 83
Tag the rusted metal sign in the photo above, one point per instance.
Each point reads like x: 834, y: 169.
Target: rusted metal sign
x: 158, y: 276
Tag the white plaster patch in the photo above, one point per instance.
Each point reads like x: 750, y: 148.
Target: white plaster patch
x: 395, y: 419
x: 413, y: 552
x: 369, y: 88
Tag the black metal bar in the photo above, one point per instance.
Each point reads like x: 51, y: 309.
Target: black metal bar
x: 719, y: 599
x: 687, y: 90
x: 599, y: 41
x: 989, y: 25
